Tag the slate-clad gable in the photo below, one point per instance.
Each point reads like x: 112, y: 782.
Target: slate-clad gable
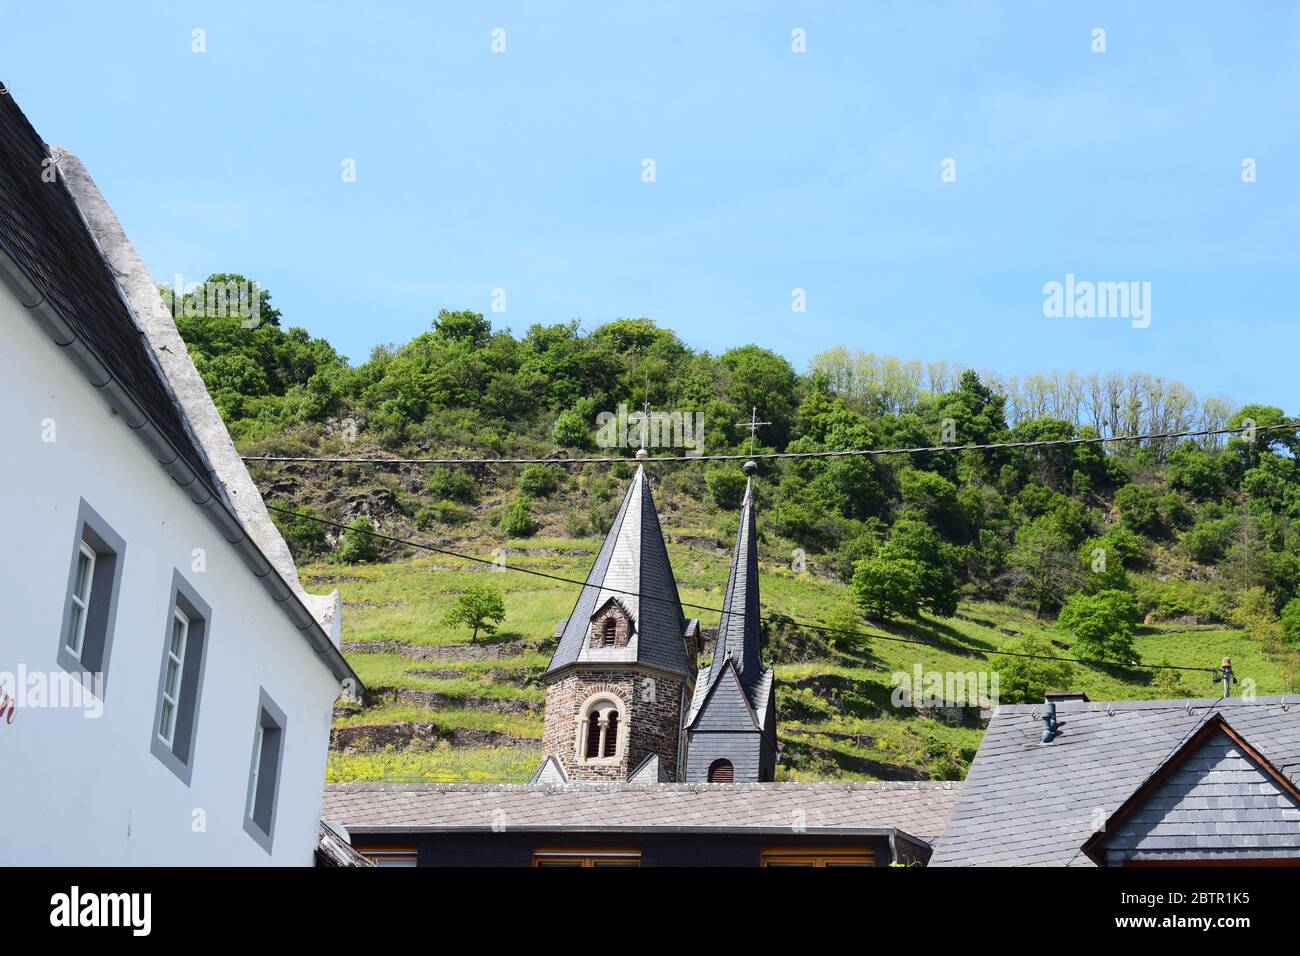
x: 726, y: 708
x: 1029, y: 804
x: 1217, y: 801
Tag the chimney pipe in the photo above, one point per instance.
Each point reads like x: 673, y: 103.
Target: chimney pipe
x: 1049, y: 722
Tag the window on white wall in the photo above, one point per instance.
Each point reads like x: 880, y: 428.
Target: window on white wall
x: 180, y: 678
x: 90, y: 599
x: 264, y: 772
x: 82, y: 580
x: 172, y: 668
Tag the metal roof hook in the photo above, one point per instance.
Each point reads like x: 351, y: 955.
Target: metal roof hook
x: 1110, y: 710
x: 1286, y: 708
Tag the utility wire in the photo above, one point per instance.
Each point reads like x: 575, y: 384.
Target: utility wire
x: 702, y: 607
x: 845, y: 453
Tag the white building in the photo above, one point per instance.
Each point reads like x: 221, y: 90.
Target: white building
x: 167, y: 683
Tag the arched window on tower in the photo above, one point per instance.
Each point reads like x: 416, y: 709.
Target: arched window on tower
x: 609, y: 632
x: 611, y: 735
x: 721, y: 771
x: 600, y: 720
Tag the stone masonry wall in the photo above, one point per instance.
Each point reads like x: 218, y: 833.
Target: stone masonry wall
x: 653, y: 704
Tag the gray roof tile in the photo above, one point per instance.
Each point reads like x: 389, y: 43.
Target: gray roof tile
x: 917, y: 808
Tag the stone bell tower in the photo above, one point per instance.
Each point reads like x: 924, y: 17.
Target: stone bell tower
x: 623, y: 674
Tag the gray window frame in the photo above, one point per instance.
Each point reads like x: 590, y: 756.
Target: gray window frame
x: 179, y: 757
x: 269, y: 718
x: 101, y: 614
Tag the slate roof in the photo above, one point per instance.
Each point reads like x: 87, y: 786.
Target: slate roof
x: 43, y: 231
x: 633, y: 568
x: 1029, y: 804
x: 919, y: 809
x: 738, y: 634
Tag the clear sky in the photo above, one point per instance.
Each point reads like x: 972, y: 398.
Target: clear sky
x: 774, y: 170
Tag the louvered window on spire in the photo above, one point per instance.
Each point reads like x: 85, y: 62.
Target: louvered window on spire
x: 611, y: 735
x: 609, y: 632
x: 593, y: 735
x: 721, y: 771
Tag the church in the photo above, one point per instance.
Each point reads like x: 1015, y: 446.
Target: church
x: 648, y: 758
x: 626, y: 700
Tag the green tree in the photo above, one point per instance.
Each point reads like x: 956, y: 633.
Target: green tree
x: 914, y: 541
x: 1026, y: 680
x: 726, y: 486
x: 1291, y: 621
x: 478, y: 607
x: 452, y: 484
x: 570, y: 430
x: 1043, y: 565
x: 1139, y: 509
x: 887, y: 587
x: 1102, y: 625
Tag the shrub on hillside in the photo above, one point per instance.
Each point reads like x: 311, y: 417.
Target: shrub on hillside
x: 517, y: 521
x: 538, y: 481
x: 304, y: 536
x: 357, y: 544
x: 454, y: 484
x: 1025, y: 680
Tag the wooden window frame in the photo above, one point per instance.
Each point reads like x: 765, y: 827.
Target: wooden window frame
x: 379, y: 854
x: 817, y: 856
x: 586, y: 857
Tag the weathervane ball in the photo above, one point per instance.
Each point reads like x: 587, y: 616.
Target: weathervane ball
x: 749, y: 467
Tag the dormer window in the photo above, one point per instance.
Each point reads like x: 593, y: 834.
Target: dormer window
x: 611, y: 626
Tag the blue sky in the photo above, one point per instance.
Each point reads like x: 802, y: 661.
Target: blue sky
x: 775, y: 170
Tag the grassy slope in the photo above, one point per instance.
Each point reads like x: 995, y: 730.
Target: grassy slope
x: 836, y: 722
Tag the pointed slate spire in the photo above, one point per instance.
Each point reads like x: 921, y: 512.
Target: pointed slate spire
x: 632, y: 569
x: 738, y: 634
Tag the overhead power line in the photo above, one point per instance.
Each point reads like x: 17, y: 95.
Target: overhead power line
x: 845, y: 453
x: 701, y: 607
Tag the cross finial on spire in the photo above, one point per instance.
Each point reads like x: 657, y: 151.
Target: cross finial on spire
x: 752, y: 427
x: 645, y: 412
